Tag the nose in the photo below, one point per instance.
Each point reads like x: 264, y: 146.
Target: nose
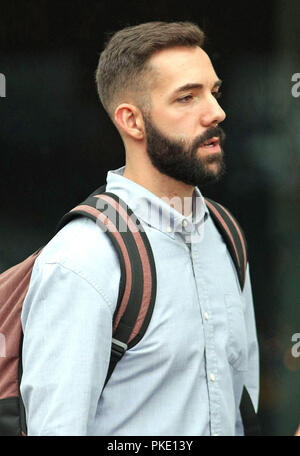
x: 212, y: 113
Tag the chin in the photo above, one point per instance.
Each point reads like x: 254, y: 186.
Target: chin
x: 214, y: 169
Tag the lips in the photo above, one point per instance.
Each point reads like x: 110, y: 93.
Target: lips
x: 211, y: 142
x: 212, y: 145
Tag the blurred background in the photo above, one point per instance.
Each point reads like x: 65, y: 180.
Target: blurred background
x: 57, y: 144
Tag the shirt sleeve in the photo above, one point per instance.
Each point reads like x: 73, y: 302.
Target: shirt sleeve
x: 251, y: 380
x: 67, y: 327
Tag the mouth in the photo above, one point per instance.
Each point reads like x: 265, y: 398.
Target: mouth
x: 212, y: 145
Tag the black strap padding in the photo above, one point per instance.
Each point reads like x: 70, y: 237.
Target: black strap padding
x: 116, y: 355
x: 22, y: 413
x: 10, y: 417
x: 129, y: 318
x: 249, y: 416
x: 240, y: 259
x: 148, y: 315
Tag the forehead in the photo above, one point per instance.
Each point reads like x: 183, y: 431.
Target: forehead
x: 178, y: 66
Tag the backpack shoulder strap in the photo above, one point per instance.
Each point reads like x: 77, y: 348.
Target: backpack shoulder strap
x: 137, y: 288
x: 233, y: 235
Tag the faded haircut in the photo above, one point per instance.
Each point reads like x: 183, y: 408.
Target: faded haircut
x: 123, y: 69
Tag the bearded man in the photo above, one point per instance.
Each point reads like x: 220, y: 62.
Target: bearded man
x: 187, y: 373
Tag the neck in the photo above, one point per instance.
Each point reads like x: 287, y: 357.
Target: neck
x: 177, y: 194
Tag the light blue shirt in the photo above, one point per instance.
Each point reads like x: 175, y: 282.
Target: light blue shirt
x: 185, y: 377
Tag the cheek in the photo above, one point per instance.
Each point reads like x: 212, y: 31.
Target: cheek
x: 177, y: 123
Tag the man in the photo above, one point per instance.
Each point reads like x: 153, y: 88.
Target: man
x: 186, y: 375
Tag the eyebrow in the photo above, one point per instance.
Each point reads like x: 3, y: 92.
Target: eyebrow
x: 196, y: 85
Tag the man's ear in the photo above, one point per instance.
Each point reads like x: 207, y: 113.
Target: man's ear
x: 130, y: 121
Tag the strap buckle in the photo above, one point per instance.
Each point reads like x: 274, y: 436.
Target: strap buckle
x: 118, y: 348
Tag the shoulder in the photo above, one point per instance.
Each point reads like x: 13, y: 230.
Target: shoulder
x: 79, y: 241
x: 82, y: 248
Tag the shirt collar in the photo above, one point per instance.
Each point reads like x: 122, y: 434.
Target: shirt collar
x: 153, y: 210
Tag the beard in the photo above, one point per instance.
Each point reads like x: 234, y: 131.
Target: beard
x: 179, y: 158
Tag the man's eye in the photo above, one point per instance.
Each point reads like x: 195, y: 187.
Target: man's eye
x: 185, y: 99
x: 217, y: 94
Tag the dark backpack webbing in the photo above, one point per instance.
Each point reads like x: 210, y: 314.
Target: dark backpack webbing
x: 249, y: 417
x: 233, y: 235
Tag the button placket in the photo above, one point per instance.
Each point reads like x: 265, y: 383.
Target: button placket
x: 208, y: 329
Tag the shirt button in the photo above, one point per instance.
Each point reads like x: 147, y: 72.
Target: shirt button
x: 212, y: 377
x: 206, y: 316
x: 169, y: 229
x: 184, y: 222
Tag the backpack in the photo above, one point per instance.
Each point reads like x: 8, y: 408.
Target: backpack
x: 136, y: 298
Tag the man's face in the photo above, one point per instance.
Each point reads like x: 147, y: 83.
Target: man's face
x: 184, y: 115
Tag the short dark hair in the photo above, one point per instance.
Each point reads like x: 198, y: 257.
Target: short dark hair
x: 123, y: 62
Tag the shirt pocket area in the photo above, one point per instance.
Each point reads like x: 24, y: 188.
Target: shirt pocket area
x: 236, y: 347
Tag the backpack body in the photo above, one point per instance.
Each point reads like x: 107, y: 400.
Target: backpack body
x: 136, y: 299
x: 14, y: 284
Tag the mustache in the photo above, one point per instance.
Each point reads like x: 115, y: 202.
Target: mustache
x: 208, y: 134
